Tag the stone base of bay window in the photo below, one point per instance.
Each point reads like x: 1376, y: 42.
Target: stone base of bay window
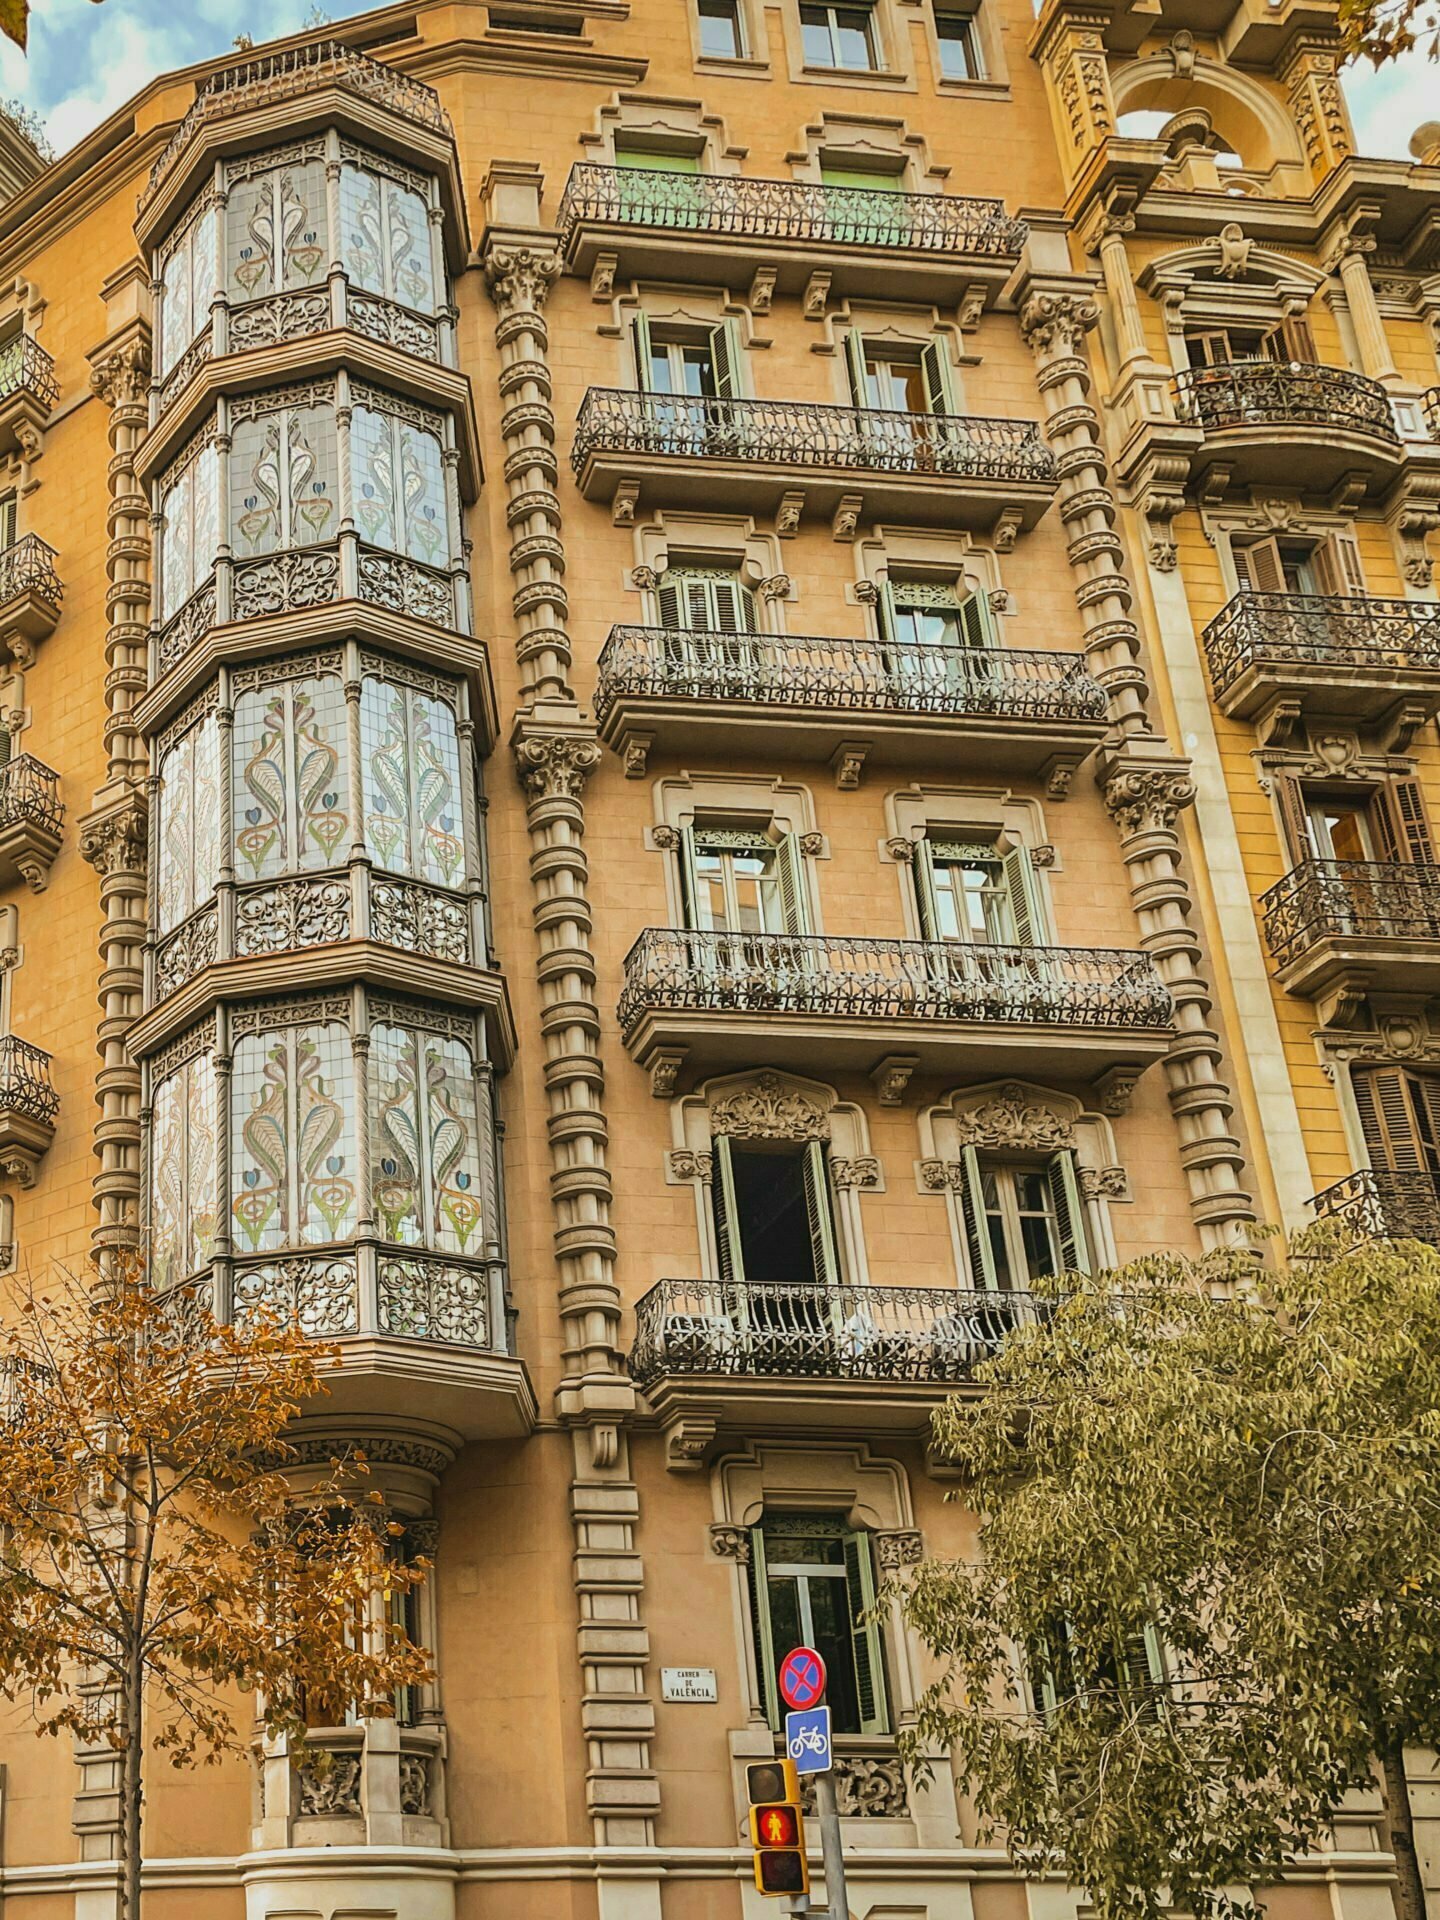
x: 373, y: 1785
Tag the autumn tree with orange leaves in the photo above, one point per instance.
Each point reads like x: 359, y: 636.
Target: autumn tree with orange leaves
x: 154, y: 1563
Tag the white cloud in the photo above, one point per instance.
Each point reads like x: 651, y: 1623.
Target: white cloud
x: 1387, y: 106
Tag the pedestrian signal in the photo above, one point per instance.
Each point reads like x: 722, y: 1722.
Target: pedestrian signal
x: 777, y: 1827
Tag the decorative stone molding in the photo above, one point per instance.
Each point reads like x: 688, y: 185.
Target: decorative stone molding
x: 787, y: 514
x: 812, y: 845
x: 1042, y: 858
x: 901, y: 849
x: 730, y: 1543
x: 1116, y: 1089
x: 940, y: 1176
x: 1309, y: 74
x: 664, y: 1068
x: 1145, y: 784
x: 665, y: 839
x: 892, y: 1077
x: 556, y: 752
x: 865, y: 1788
x: 686, y: 1163
x: 901, y: 1547
x: 863, y: 1170
x: 1014, y: 1119
x: 769, y: 1109
x: 847, y: 763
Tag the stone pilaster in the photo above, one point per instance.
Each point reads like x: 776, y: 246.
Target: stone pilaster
x: 113, y: 833
x: 1311, y: 80
x: 556, y: 751
x: 1070, y: 47
x: 1144, y: 782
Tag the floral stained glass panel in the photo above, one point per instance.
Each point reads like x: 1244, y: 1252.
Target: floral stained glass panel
x: 283, y: 480
x: 189, y: 281
x: 188, y: 507
x: 290, y: 781
x: 292, y: 1133
x: 277, y: 235
x: 189, y: 813
x: 410, y: 752
x: 184, y: 1205
x: 399, y: 486
x: 385, y: 242
x: 425, y: 1140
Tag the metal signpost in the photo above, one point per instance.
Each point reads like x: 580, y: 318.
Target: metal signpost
x: 807, y: 1745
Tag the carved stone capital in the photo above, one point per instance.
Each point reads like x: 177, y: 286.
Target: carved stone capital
x: 1054, y: 324
x: 767, y: 1108
x: 686, y: 1164
x: 900, y: 1547
x: 114, y: 839
x: 122, y: 378
x: 863, y: 1170
x: 1148, y: 799
x: 730, y: 1543
x: 555, y: 766
x: 1014, y: 1118
x: 520, y: 278
x: 1104, y: 1183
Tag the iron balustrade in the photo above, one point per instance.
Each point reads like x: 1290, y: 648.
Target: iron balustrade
x: 28, y: 566
x: 1350, y: 899
x: 1106, y: 988
x: 293, y: 72
x: 1381, y: 1204
x: 25, y: 1084
x: 1282, y: 393
x: 789, y: 210
x: 808, y: 1330
x: 794, y: 433
x: 1014, y: 683
x: 1321, y: 630
x: 30, y: 793
x: 25, y: 367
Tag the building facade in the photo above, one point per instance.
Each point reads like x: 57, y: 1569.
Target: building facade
x: 688, y: 689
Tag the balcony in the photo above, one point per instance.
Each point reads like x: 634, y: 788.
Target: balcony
x: 848, y: 1358
x: 1339, y: 927
x: 1326, y: 654
x: 1380, y: 1204
x: 31, y: 595
x: 31, y: 819
x: 416, y: 1330
x: 1431, y: 404
x: 721, y: 1001
x: 29, y: 1107
x: 1019, y: 709
x: 640, y: 224
x: 846, y: 462
x: 292, y: 92
x: 28, y: 392
x: 1265, y: 422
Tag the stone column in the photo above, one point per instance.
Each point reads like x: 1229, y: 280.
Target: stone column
x: 1120, y: 289
x: 1144, y: 782
x: 1348, y: 253
x: 113, y: 834
x: 556, y: 751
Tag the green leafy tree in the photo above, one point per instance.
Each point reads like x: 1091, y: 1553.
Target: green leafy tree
x: 1382, y: 30
x: 1205, y: 1598
x: 155, y: 1567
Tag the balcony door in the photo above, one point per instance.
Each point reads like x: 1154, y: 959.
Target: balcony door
x: 907, y: 396
x: 981, y: 916
x: 812, y: 1583
x: 659, y: 189
x: 778, y: 1257
x: 1399, y: 1113
x: 708, y: 615
x: 938, y: 644
x: 864, y: 206
x: 1325, y: 567
x: 1023, y: 1220
x: 689, y: 372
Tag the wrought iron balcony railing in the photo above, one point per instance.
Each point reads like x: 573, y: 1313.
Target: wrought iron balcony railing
x: 26, y: 1090
x: 789, y: 210
x: 1284, y: 393
x: 792, y: 433
x: 30, y: 794
x: 1321, y: 630
x: 865, y: 676
x: 1380, y: 1204
x: 288, y: 74
x: 25, y: 367
x: 1351, y: 900
x: 29, y: 567
x: 877, y: 979
x: 780, y: 1330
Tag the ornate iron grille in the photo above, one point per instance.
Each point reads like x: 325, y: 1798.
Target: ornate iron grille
x: 30, y: 792
x: 1350, y: 899
x: 821, y: 1332
x: 1278, y: 393
x: 26, y: 367
x: 29, y: 567
x: 1431, y: 403
x: 793, y: 433
x: 789, y: 210
x: 1380, y: 1204
x: 1321, y: 630
x: 762, y: 973
x: 25, y: 1086
x: 1017, y: 683
x: 299, y: 70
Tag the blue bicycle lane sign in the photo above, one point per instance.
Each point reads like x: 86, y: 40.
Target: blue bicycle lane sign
x: 807, y: 1740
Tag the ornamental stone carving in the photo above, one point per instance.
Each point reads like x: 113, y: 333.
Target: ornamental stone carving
x: 1014, y: 1118
x: 333, y: 1792
x: 1056, y: 323
x: 865, y: 1789
x: 863, y: 1170
x: 730, y: 1543
x: 685, y: 1164
x: 903, y: 1547
x: 1104, y: 1183
x: 115, y: 842
x: 555, y: 766
x: 768, y: 1109
x: 1148, y: 799
x: 521, y: 277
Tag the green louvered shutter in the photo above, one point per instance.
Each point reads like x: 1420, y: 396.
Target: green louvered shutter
x: 640, y: 331
x: 926, y: 904
x: 724, y: 360
x: 817, y: 1208
x: 865, y: 1634
x: 939, y: 390
x: 972, y: 1210
x: 855, y: 360
x: 1069, y: 1212
x: 1024, y: 905
x: 759, y: 1584
x: 689, y: 879
x: 790, y: 875
x: 727, y: 1216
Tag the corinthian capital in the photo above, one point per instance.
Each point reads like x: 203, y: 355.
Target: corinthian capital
x: 1054, y: 324
x: 1147, y: 799
x: 122, y: 378
x: 521, y: 277
x: 555, y: 766
x: 114, y: 840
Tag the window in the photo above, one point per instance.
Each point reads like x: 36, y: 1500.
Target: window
x: 738, y: 880
x: 959, y: 45
x: 1400, y: 1118
x: 812, y: 1582
x: 842, y: 37
x: 1275, y: 565
x: 865, y: 206
x: 189, y: 509
x: 972, y: 892
x: 938, y: 638
x: 1022, y: 1219
x: 705, y: 600
x: 900, y: 379
x: 8, y: 532
x: 722, y: 35
x: 774, y: 1227
x: 1129, y: 1669
x: 659, y: 189
x: 1291, y: 339
x: 1388, y: 823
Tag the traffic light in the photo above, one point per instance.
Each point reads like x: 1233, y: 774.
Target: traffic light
x: 777, y: 1828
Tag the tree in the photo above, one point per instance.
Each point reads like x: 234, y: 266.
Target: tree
x: 1382, y: 30
x: 153, y: 1558
x: 15, y: 19
x: 1205, y: 1597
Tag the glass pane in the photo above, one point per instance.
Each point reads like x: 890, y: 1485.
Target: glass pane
x: 830, y: 1616
x: 1038, y: 1239
x: 720, y: 28
x: 784, y: 1619
x: 957, y: 57
x: 710, y: 884
x: 660, y: 375
x: 788, y: 1545
x: 815, y: 29
x: 754, y: 892
x: 699, y: 378
x: 852, y: 37
x: 1345, y: 832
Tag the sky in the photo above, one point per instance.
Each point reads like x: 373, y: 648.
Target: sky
x: 86, y: 60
